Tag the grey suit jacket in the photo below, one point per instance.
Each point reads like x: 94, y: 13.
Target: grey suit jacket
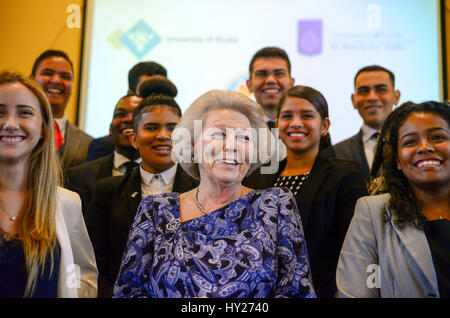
x: 378, y: 259
x: 352, y: 149
x: 76, y: 144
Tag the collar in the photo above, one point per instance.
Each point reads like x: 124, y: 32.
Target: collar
x: 367, y: 132
x: 121, y: 159
x: 167, y: 175
x: 266, y: 119
x: 62, y: 122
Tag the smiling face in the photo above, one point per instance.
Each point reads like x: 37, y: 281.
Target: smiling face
x: 20, y: 122
x: 374, y: 97
x: 226, y: 147
x: 423, y: 150
x: 122, y: 124
x: 55, y: 76
x: 270, y: 78
x: 300, y: 125
x: 152, y: 138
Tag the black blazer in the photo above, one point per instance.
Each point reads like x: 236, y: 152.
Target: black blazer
x: 352, y: 149
x: 100, y: 147
x: 110, y: 216
x: 326, y: 202
x: 82, y: 179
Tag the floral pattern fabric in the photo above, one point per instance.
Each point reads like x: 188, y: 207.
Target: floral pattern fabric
x: 253, y: 247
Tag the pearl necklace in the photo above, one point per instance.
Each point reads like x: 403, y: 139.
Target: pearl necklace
x: 200, y: 206
x: 11, y: 218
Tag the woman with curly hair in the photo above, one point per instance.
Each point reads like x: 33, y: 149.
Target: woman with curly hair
x: 398, y: 243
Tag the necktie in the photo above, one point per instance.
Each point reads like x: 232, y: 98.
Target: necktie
x: 58, y: 135
x: 375, y: 138
x: 129, y: 166
x: 270, y: 124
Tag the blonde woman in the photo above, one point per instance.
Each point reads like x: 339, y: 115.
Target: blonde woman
x: 44, y: 247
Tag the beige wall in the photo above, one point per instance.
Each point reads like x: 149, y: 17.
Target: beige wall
x: 29, y: 27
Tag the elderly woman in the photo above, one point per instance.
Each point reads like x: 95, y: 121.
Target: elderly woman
x: 220, y: 239
x: 44, y: 246
x: 398, y: 241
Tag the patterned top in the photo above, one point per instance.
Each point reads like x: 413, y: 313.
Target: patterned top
x: 293, y: 183
x: 252, y: 247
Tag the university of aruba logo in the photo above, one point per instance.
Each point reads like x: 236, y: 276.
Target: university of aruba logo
x: 310, y: 37
x: 140, y: 39
x: 239, y: 84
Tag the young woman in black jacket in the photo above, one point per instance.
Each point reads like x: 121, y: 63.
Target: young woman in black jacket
x: 326, y: 189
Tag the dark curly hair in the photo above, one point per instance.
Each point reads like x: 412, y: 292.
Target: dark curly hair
x: 403, y: 204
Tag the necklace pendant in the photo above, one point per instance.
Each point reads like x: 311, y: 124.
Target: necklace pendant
x: 12, y: 219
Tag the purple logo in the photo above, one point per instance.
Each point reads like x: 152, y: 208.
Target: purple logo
x: 310, y: 37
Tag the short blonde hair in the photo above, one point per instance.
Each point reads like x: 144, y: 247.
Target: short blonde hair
x: 218, y: 100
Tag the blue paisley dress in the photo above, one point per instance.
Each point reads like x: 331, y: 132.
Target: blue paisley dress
x: 252, y: 247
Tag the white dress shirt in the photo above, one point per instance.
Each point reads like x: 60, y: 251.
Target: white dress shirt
x: 157, y: 183
x: 119, y: 160
x: 369, y: 143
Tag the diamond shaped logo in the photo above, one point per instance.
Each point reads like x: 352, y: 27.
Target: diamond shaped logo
x: 140, y: 39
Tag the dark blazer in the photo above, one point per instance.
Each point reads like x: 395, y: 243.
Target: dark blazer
x: 352, y: 149
x: 73, y: 152
x: 82, y: 179
x: 100, y: 147
x: 326, y: 202
x: 110, y: 216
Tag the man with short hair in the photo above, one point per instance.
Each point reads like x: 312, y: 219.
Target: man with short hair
x: 374, y: 98
x: 142, y: 72
x: 270, y: 77
x: 53, y: 71
x: 138, y: 74
x: 82, y: 179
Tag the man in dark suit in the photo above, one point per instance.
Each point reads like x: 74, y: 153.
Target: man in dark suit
x: 82, y: 179
x: 374, y: 98
x: 141, y: 72
x: 53, y: 71
x: 116, y: 199
x: 270, y: 77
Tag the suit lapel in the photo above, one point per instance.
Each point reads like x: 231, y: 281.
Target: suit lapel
x: 183, y: 182
x: 359, y: 154
x: 105, y: 169
x: 312, y: 185
x: 71, y: 144
x: 416, y: 243
x: 132, y: 193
